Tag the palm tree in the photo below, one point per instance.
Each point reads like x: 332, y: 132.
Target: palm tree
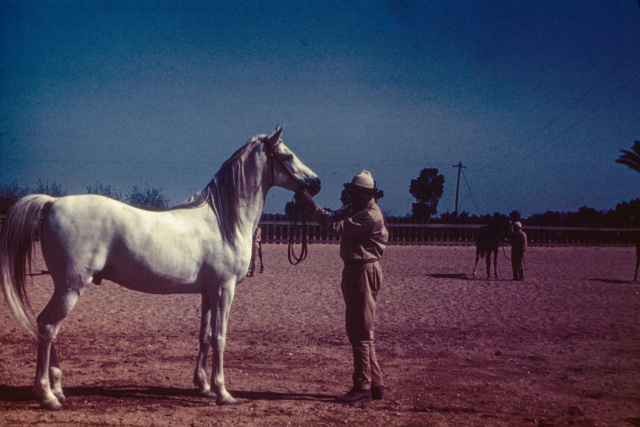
x: 631, y: 158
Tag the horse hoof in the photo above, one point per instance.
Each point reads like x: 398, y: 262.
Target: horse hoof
x: 226, y: 401
x: 207, y: 393
x: 60, y: 396
x: 51, y: 405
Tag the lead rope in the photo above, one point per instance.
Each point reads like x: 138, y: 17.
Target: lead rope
x: 524, y: 260
x: 297, y: 210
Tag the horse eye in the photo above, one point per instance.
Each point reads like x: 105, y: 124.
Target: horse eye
x: 284, y: 156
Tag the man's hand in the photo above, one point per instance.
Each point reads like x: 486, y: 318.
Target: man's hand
x: 306, y: 200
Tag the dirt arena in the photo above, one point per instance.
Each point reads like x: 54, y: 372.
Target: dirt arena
x: 561, y: 348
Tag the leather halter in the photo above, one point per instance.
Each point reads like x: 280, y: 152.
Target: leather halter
x: 271, y: 149
x: 293, y: 259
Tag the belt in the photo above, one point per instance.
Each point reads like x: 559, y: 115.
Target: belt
x: 359, y: 262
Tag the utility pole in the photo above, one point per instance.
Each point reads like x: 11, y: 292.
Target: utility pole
x: 459, y: 166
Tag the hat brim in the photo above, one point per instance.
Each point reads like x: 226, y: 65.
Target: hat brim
x: 353, y: 187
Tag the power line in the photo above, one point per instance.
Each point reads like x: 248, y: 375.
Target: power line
x: 464, y: 175
x: 574, y: 103
x: 584, y: 117
x: 460, y: 167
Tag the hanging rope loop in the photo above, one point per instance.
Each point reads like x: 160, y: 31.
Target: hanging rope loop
x: 297, y: 211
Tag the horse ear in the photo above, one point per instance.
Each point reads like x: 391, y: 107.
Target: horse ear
x: 275, y: 136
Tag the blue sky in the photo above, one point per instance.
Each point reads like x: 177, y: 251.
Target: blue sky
x: 534, y: 98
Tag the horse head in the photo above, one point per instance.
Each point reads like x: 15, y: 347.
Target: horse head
x: 287, y: 171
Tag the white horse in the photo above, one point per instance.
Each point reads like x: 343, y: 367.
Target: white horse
x: 201, y: 246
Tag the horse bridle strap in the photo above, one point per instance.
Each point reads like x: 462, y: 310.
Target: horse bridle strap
x: 298, y: 210
x: 271, y: 149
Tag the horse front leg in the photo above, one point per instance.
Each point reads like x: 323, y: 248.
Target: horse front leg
x: 220, y: 317
x: 476, y: 266
x: 200, y: 375
x: 495, y: 264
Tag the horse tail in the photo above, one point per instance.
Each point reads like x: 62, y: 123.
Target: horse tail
x: 17, y: 240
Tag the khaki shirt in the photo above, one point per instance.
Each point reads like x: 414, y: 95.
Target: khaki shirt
x: 363, y: 233
x: 518, y: 243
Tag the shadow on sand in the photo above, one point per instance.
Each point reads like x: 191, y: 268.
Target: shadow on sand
x: 462, y: 276
x: 24, y: 394
x: 612, y: 281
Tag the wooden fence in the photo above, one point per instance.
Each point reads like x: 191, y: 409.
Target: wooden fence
x: 274, y: 231
x: 457, y: 234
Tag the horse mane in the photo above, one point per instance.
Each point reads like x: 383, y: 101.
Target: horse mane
x: 223, y: 193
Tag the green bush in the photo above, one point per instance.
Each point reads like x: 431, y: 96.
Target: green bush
x: 9, y: 194
x: 52, y: 190
x: 104, y: 190
x: 147, y: 198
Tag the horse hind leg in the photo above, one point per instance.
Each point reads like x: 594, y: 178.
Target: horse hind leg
x: 476, y: 265
x: 495, y: 264
x: 200, y: 375
x: 488, y: 258
x: 55, y: 375
x: 48, y: 370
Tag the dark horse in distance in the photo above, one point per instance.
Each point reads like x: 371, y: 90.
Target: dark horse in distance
x: 488, y: 240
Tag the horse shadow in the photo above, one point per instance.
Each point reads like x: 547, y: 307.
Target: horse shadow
x: 469, y: 277
x: 461, y: 276
x: 614, y: 281
x: 148, y: 393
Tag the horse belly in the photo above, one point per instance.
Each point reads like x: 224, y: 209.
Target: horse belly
x: 152, y: 282
x: 161, y: 274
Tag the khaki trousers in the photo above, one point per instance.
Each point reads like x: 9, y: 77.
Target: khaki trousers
x: 360, y: 286
x: 517, y: 266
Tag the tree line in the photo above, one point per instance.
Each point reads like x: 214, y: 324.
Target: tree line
x: 624, y: 215
x: 140, y: 196
x: 427, y: 189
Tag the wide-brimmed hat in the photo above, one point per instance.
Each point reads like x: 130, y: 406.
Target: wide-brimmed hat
x: 363, y: 181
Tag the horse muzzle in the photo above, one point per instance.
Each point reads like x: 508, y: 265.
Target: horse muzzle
x: 312, y: 186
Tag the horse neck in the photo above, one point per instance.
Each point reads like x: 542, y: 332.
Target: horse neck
x: 253, y: 188
x: 249, y: 215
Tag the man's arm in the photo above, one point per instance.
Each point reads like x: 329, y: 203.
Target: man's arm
x: 343, y: 222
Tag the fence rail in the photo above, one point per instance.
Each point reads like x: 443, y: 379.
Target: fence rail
x: 458, y: 234
x: 274, y: 231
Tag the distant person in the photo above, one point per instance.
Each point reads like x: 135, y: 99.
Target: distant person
x: 518, y: 248
x: 256, y: 253
x: 363, y: 237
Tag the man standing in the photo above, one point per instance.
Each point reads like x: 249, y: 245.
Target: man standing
x: 256, y: 253
x: 363, y: 237
x: 518, y: 248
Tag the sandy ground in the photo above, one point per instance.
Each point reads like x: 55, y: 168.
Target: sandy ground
x: 561, y: 348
